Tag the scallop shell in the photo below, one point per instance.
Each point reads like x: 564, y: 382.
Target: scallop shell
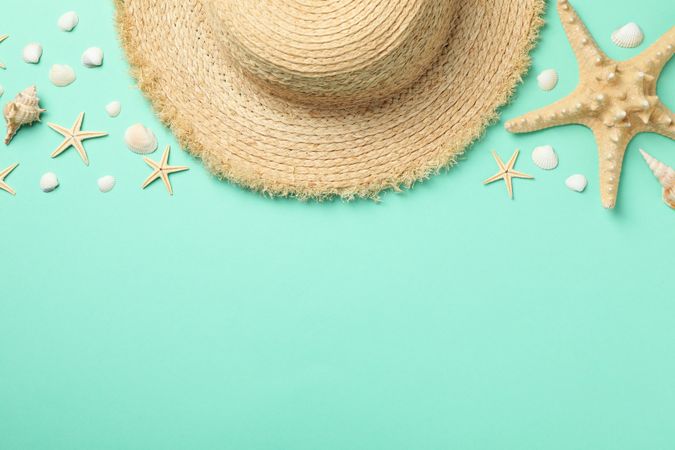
x: 140, y: 139
x: 61, y: 75
x: 49, y: 182
x: 113, y: 108
x: 92, y: 57
x: 628, y: 36
x: 106, y: 183
x: 577, y: 183
x: 23, y: 110
x: 545, y: 157
x: 548, y: 79
x: 32, y: 53
x: 665, y: 175
x: 68, y: 21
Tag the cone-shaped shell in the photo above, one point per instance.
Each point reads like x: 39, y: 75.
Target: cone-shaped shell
x: 665, y: 175
x: 23, y: 110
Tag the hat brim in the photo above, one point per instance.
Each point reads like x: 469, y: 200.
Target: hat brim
x: 277, y: 147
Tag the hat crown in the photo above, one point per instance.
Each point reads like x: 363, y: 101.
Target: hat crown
x: 328, y: 52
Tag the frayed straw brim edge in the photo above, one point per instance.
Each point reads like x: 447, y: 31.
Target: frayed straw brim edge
x: 148, y: 82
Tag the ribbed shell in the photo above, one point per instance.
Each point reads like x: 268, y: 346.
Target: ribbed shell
x: 23, y: 110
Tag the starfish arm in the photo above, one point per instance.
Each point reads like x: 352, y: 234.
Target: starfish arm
x: 59, y: 129
x: 153, y: 176
x: 499, y: 176
x: 516, y: 174
x: 167, y: 183
x: 5, y: 187
x: 654, y: 59
x: 7, y: 171
x: 77, y: 126
x: 499, y: 161
x: 61, y: 148
x: 509, y: 185
x: 90, y: 134
x: 80, y: 149
x: 611, y: 150
x: 663, y: 121
x: 174, y: 169
x: 165, y: 156
x: 585, y: 48
x: 152, y: 163
x: 566, y: 111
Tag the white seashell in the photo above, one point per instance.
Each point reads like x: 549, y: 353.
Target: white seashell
x: 545, y: 157
x: 113, y: 108
x: 32, y: 53
x: 548, y: 79
x: 49, y: 182
x: 92, y: 57
x: 61, y: 75
x: 628, y: 36
x: 665, y: 175
x: 23, y: 110
x: 68, y: 21
x: 106, y: 183
x: 140, y: 139
x: 576, y: 183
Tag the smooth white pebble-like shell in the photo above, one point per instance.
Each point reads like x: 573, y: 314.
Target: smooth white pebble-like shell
x: 92, y: 57
x: 547, y: 80
x: 140, y: 139
x: 2, y: 90
x: 628, y: 36
x: 113, y: 108
x: 545, y: 157
x: 61, y: 75
x: 577, y: 182
x: 68, y: 21
x: 49, y: 182
x: 106, y: 183
x: 32, y: 53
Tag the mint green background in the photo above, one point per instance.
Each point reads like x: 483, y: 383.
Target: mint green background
x: 446, y: 317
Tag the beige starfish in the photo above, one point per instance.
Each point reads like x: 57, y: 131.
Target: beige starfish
x: 162, y: 170
x: 506, y: 172
x: 615, y: 99
x: 4, y: 186
x: 74, y: 137
x: 2, y: 38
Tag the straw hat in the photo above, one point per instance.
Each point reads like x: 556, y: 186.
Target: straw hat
x: 315, y: 98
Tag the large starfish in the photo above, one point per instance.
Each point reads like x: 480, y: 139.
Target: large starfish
x: 74, y: 137
x: 162, y: 170
x: 615, y: 99
x: 507, y: 172
x: 2, y: 38
x: 4, y: 186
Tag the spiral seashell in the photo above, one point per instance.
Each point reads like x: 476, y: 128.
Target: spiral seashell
x: 665, y: 175
x: 23, y: 110
x: 628, y: 36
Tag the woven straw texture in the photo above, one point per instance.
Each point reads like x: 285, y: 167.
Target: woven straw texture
x: 319, y: 98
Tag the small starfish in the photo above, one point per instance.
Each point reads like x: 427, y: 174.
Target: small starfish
x: 2, y: 38
x: 615, y: 99
x: 506, y: 172
x: 4, y: 186
x: 162, y: 170
x: 74, y: 137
